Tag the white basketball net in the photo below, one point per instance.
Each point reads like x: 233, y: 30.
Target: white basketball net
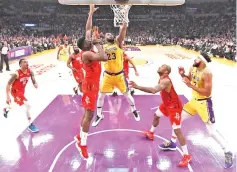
x: 120, y: 14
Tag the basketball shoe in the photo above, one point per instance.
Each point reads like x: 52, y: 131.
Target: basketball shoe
x: 149, y: 135
x: 185, y: 161
x: 82, y: 150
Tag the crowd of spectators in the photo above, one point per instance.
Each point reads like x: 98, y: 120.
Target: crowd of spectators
x: 209, y: 27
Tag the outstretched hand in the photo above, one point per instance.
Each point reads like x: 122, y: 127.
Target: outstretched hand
x: 133, y: 84
x: 93, y: 9
x: 187, y: 81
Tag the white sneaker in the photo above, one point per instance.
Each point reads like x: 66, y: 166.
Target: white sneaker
x: 97, y: 120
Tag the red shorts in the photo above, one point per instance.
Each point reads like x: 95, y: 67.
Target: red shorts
x: 90, y: 93
x: 126, y: 74
x: 19, y: 97
x: 174, y: 114
x: 79, y: 76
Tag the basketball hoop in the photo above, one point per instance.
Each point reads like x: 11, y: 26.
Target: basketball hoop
x: 120, y: 14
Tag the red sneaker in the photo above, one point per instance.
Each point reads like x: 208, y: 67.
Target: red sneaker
x: 77, y: 138
x: 149, y: 134
x: 82, y: 150
x: 185, y: 161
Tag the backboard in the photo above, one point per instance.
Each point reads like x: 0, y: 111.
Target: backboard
x: 132, y: 2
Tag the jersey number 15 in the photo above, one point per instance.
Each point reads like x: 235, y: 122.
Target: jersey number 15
x: 111, y: 56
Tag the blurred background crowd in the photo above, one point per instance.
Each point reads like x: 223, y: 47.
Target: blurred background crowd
x: 43, y: 24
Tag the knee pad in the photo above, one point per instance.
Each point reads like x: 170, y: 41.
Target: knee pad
x: 211, y: 129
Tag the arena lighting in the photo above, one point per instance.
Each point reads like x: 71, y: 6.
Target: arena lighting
x: 132, y: 2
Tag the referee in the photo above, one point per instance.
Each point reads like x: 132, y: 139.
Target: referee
x: 4, y: 56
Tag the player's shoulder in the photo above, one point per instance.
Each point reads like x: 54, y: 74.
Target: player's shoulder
x: 207, y: 71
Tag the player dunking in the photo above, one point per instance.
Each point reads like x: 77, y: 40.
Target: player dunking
x: 126, y: 62
x: 114, y: 74
x: 199, y: 79
x: 76, y: 67
x: 170, y: 107
x: 90, y: 85
x: 16, y: 86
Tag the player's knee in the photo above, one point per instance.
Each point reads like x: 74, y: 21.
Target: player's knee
x: 185, y: 115
x: 177, y: 131
x: 211, y: 129
x: 156, y: 118
x: 89, y: 115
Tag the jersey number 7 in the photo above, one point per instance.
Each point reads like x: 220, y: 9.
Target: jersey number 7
x: 111, y: 56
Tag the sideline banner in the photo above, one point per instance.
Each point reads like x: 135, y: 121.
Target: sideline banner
x: 19, y: 52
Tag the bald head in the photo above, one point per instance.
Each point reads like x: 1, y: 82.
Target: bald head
x: 168, y: 68
x: 164, y: 70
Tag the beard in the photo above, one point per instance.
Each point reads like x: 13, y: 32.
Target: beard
x: 76, y: 51
x: 160, y: 73
x: 110, y: 40
x: 196, y: 64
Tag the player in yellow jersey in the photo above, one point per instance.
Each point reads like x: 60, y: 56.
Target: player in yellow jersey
x: 114, y: 76
x: 199, y: 80
x: 64, y: 52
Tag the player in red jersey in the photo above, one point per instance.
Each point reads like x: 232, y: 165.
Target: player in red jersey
x: 90, y: 85
x: 16, y: 87
x: 126, y: 62
x: 76, y: 67
x: 171, y: 107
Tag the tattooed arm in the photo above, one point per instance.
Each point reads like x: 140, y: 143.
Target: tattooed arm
x: 161, y: 86
x: 33, y: 79
x: 8, y: 87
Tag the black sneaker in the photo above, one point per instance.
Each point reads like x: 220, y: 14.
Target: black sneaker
x: 115, y: 94
x: 136, y: 115
x: 132, y: 92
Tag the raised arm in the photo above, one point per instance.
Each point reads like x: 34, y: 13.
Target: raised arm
x: 90, y: 56
x: 161, y: 86
x: 89, y: 22
x: 133, y: 65
x: 122, y: 34
x: 182, y: 73
x: 207, y: 90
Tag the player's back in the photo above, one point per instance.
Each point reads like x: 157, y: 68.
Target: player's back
x: 92, y: 71
x: 76, y: 61
x: 170, y: 99
x: 20, y: 83
x: 198, y: 81
x: 115, y: 58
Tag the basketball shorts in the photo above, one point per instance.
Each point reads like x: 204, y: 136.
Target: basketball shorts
x: 63, y: 58
x: 78, y: 76
x: 203, y: 107
x: 126, y: 74
x: 174, y: 114
x: 18, y: 97
x: 111, y: 81
x: 90, y: 92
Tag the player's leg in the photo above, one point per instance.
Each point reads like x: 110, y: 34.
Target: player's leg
x: 160, y: 112
x: 187, y: 112
x: 175, y: 119
x: 205, y: 110
x: 27, y: 108
x: 88, y: 102
x: 106, y: 87
x: 122, y: 85
x: 78, y: 78
x: 132, y: 91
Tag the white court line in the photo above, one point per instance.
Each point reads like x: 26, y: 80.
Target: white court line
x: 154, y: 108
x: 105, y: 131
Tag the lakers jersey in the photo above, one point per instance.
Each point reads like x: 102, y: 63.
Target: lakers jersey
x: 115, y: 58
x: 197, y: 80
x: 64, y: 51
